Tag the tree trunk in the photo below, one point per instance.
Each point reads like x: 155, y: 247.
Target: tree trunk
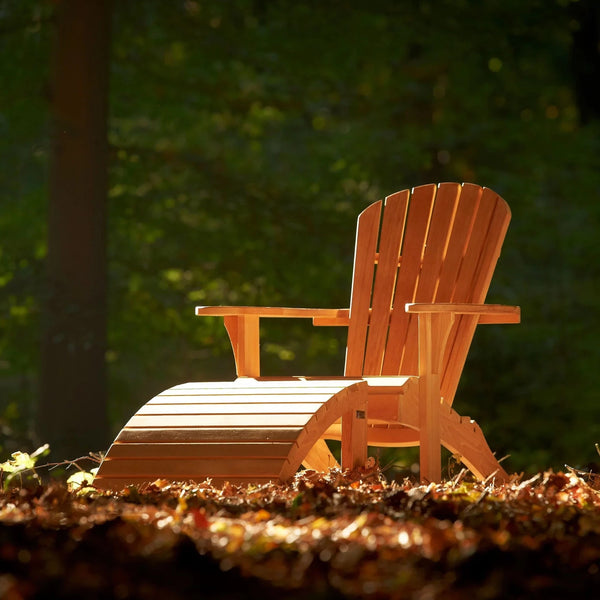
x: 585, y: 57
x: 72, y: 415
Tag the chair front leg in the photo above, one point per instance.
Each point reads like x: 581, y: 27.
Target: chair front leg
x: 434, y: 329
x: 244, y: 335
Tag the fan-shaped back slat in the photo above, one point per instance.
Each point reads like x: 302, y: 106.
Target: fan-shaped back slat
x: 436, y: 244
x: 434, y: 253
x: 473, y: 282
x: 415, y: 235
x: 468, y: 204
x: 390, y: 242
x: 367, y: 233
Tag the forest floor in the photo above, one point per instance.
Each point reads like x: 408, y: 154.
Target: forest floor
x: 334, y: 535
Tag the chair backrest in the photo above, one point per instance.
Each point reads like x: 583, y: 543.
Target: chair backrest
x: 438, y: 243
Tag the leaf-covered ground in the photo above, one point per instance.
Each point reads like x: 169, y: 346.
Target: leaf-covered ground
x: 323, y: 536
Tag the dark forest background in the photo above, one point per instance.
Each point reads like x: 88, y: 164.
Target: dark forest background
x: 157, y: 155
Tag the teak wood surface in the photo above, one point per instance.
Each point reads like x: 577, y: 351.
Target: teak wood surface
x: 423, y: 264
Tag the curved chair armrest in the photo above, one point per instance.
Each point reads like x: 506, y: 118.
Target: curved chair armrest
x: 488, y: 313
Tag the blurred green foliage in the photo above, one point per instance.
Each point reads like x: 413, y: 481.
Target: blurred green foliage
x: 245, y: 138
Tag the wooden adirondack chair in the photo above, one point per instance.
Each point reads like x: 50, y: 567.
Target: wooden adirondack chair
x: 422, y: 268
